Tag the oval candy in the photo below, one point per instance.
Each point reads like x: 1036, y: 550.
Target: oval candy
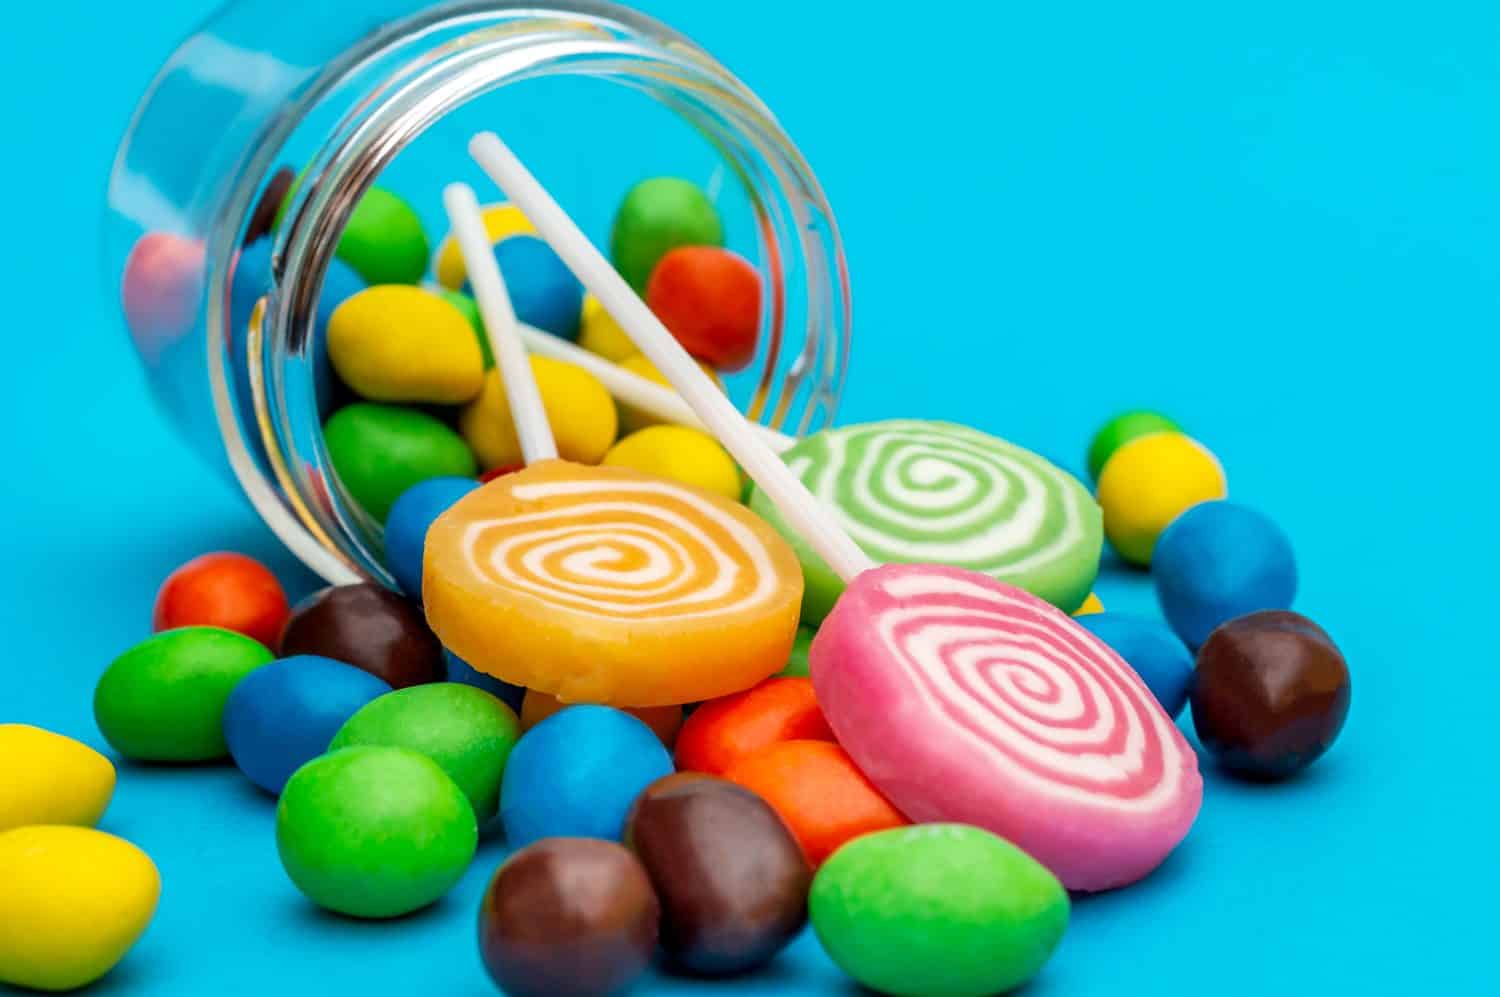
x: 46, y: 778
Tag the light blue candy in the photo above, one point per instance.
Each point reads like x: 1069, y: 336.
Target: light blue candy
x: 1151, y: 649
x: 406, y: 526
x: 282, y: 715
x: 460, y: 670
x: 1218, y: 561
x: 576, y: 774
x: 542, y: 289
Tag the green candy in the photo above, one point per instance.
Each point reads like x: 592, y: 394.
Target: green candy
x: 163, y: 700
x: 937, y: 910
x: 374, y: 832
x: 1121, y: 430
x: 467, y: 731
x: 656, y: 217
x: 470, y: 308
x: 797, y: 665
x: 379, y: 451
x: 384, y: 242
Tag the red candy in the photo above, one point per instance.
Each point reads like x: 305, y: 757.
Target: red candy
x: 223, y: 590
x: 722, y: 731
x: 499, y: 472
x: 710, y: 300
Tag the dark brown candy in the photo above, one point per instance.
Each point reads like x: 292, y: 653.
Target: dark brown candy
x: 568, y: 917
x: 731, y: 879
x: 369, y: 627
x: 1270, y: 694
x: 263, y: 218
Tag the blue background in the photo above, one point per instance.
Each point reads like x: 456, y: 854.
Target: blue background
x: 1276, y: 222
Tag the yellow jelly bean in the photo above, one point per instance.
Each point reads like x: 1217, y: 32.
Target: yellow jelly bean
x: 633, y: 419
x: 1091, y: 606
x: 598, y: 332
x: 46, y: 778
x: 74, y: 901
x: 580, y: 409
x: 682, y: 454
x: 398, y: 343
x: 1149, y: 482
x: 500, y: 221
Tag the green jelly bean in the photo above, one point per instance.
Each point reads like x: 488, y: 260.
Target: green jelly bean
x: 470, y: 309
x: 937, y: 910
x: 657, y: 216
x: 797, y: 665
x: 1121, y: 430
x: 379, y: 451
x: 464, y: 729
x: 163, y: 700
x: 384, y: 242
x: 374, y: 831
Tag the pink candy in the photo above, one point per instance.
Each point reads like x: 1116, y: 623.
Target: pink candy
x: 965, y: 699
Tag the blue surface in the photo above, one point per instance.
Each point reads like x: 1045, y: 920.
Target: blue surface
x: 1275, y: 221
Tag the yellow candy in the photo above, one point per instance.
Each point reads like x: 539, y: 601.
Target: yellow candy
x: 633, y: 419
x: 46, y: 778
x: 600, y: 333
x: 1149, y: 482
x: 72, y: 902
x: 682, y: 454
x: 1091, y: 606
x: 580, y: 409
x: 501, y: 221
x: 398, y: 343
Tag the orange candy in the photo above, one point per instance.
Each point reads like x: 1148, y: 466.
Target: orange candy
x: 725, y: 730
x: 665, y: 721
x: 231, y: 591
x: 710, y: 300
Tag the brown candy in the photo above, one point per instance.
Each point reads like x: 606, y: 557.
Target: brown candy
x: 263, y: 218
x: 568, y: 917
x: 369, y: 627
x: 1270, y: 694
x: 732, y: 882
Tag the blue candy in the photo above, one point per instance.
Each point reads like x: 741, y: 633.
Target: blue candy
x: 460, y: 670
x: 1151, y: 649
x: 283, y: 715
x: 576, y: 774
x: 542, y: 289
x: 1218, y: 561
x: 406, y: 526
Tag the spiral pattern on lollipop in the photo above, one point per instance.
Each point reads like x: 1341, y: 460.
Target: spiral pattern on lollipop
x: 623, y: 549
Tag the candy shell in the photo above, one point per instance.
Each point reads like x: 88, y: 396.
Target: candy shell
x: 579, y: 409
x: 666, y: 721
x: 598, y: 332
x: 709, y: 299
x: 1152, y: 650
x: 722, y: 731
x: 379, y: 451
x: 501, y: 221
x: 657, y: 216
x: 1091, y: 606
x: 467, y: 731
x: 543, y: 291
x: 163, y: 700
x: 398, y: 343
x: 406, y: 526
x: 1217, y: 561
x: 797, y: 664
x: 460, y: 670
x: 1148, y: 483
x: 941, y: 910
x: 1119, y: 431
x: 282, y: 715
x: 161, y: 290
x: 370, y: 628
x: 46, y: 778
x: 374, y: 832
x: 384, y: 241
x: 230, y: 591
x: 682, y: 454
x: 576, y: 773
x: 74, y: 901
x: 469, y: 308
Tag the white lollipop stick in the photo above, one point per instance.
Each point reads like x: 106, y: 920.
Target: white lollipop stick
x: 810, y: 518
x: 532, y: 427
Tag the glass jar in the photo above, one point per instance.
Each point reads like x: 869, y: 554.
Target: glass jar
x: 349, y: 91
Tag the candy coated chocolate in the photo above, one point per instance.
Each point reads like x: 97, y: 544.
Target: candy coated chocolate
x: 368, y: 627
x: 732, y: 882
x: 1270, y: 694
x: 568, y: 917
x: 263, y: 218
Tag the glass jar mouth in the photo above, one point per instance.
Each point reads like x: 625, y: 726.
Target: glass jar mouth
x: 447, y: 57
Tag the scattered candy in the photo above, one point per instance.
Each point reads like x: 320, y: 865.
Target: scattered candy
x: 1091, y: 606
x: 666, y: 721
x: 725, y: 730
x: 1119, y: 431
x: 460, y: 670
x: 679, y: 453
x: 797, y: 664
x: 731, y: 881
x: 406, y: 526
x: 1217, y: 561
x: 282, y: 715
x: 384, y: 241
x: 368, y: 627
x: 398, y: 343
x: 632, y: 419
x: 1148, y: 483
x: 580, y: 409
x: 379, y: 451
x: 598, y: 332
x: 162, y: 290
x: 46, y: 778
x: 657, y: 216
x: 467, y: 731
x: 163, y: 700
x: 543, y: 291
x: 374, y: 832
x: 576, y: 773
x: 75, y: 900
x: 941, y: 910
x: 709, y: 298
x: 909, y: 491
x: 1152, y: 650
x: 501, y: 221
x: 568, y: 916
x: 230, y: 591
x: 1270, y: 694
x: 818, y: 791
x: 965, y: 699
